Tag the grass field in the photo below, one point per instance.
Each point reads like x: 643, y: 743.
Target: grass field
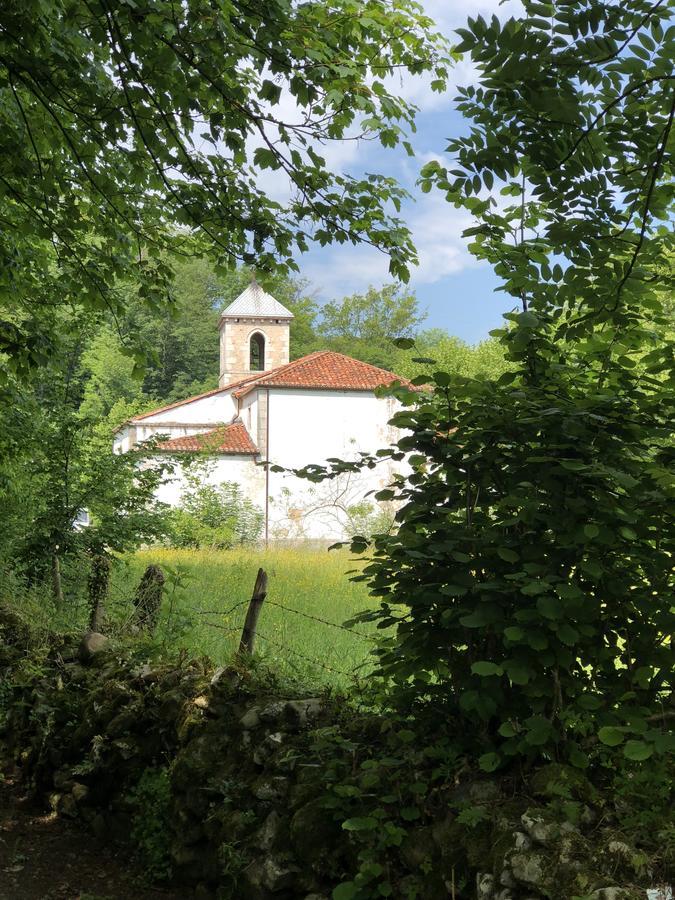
x: 204, y: 586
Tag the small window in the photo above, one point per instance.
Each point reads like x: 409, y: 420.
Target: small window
x: 257, y: 355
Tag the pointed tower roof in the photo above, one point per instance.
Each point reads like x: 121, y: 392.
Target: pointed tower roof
x: 256, y: 303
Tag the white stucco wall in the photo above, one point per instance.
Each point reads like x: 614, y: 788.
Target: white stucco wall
x: 305, y: 426
x: 309, y: 427
x: 240, y: 469
x: 220, y: 407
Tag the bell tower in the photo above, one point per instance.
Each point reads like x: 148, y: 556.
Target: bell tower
x: 254, y: 335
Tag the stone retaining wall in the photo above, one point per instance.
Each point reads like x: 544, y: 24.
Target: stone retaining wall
x: 255, y: 811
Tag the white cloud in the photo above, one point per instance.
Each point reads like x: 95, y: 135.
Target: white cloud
x: 451, y: 14
x: 437, y: 233
x: 436, y: 228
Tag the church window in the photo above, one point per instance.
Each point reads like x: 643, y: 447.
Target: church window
x: 257, y: 353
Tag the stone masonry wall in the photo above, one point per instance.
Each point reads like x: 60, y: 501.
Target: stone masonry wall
x: 235, y: 335
x: 261, y: 783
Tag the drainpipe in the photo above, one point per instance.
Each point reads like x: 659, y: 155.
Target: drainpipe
x: 267, y: 473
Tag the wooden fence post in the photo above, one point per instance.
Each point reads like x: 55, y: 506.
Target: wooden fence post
x: 247, y: 642
x: 98, y: 584
x: 148, y: 598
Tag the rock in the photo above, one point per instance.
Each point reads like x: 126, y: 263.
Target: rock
x: 566, y: 848
x: 485, y: 884
x: 521, y: 841
x: 531, y: 868
x: 268, y: 833
x: 300, y: 712
x: 273, y: 789
x: 80, y: 792
x: 201, y: 702
x: 504, y: 894
x: 224, y: 676
x: 146, y: 673
x: 273, y: 712
x: 292, y: 714
x: 314, y: 833
x: 92, y: 643
x: 67, y: 806
x: 271, y: 873
x: 267, y: 748
x: 611, y: 893
x: 506, y: 879
x: 250, y: 719
x: 543, y: 828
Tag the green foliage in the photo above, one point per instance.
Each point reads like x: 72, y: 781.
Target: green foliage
x: 365, y: 325
x: 150, y: 801
x: 213, y: 516
x: 642, y: 795
x: 532, y: 557
x: 531, y: 574
x: 436, y: 350
x: 103, y: 173
x: 58, y: 433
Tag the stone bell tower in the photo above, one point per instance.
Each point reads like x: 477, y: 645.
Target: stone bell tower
x: 254, y: 335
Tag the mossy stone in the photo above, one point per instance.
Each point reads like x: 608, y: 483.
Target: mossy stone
x: 315, y: 835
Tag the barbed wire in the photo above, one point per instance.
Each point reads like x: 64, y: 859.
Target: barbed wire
x: 225, y: 628
x: 216, y: 612
x: 365, y: 637
x: 310, y: 659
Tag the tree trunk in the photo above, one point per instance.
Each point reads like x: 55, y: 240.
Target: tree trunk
x: 99, y: 578
x: 57, y: 587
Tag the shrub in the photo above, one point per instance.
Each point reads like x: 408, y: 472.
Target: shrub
x: 151, y: 800
x: 214, y: 517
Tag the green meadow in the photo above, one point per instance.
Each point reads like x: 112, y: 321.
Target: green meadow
x: 207, y: 593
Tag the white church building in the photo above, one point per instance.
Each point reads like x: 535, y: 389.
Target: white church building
x: 269, y: 411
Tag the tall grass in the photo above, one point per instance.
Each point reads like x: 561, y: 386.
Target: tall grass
x: 207, y: 593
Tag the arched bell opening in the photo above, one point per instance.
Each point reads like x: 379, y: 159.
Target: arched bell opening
x: 257, y: 352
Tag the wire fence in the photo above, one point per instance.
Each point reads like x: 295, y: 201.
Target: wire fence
x: 207, y: 616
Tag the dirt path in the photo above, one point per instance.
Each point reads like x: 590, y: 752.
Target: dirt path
x: 44, y: 857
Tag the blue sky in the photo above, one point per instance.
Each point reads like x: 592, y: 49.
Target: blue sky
x: 456, y: 291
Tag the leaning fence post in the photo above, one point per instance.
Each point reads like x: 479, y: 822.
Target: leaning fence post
x: 253, y: 613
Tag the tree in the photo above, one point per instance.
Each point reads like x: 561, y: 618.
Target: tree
x: 131, y: 132
x: 531, y: 576
x: 365, y: 325
x: 434, y: 350
x: 61, y: 462
x: 181, y: 338
x: 213, y: 516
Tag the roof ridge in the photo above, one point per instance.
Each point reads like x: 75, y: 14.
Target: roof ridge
x: 259, y: 378
x: 283, y: 367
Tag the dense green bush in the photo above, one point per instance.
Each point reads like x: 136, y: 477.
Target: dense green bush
x: 213, y: 516
x: 151, y: 802
x: 534, y: 553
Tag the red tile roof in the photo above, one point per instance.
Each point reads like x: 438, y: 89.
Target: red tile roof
x: 232, y: 438
x: 322, y: 370
x: 212, y: 393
